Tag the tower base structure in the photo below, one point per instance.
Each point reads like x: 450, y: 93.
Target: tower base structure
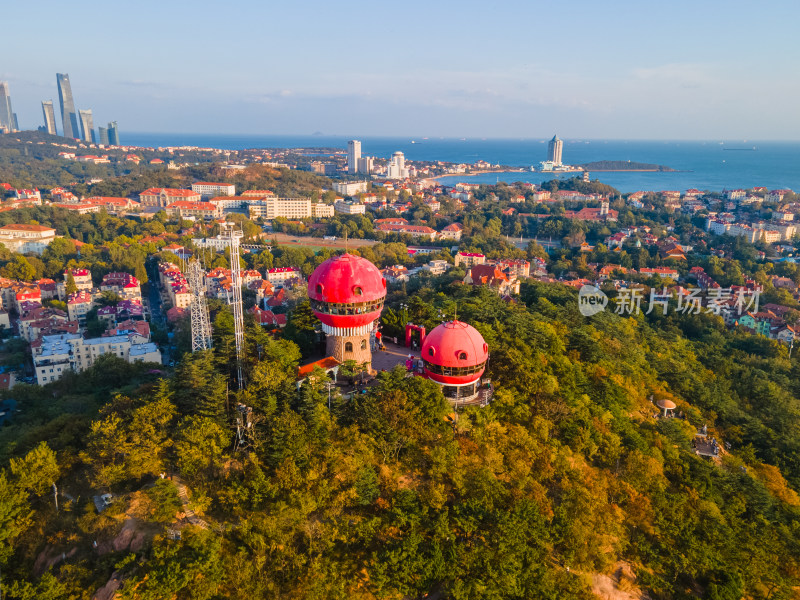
x: 350, y: 347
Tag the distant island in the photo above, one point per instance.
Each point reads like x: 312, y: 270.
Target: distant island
x: 622, y: 165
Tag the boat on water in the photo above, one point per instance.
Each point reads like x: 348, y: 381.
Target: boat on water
x: 753, y: 149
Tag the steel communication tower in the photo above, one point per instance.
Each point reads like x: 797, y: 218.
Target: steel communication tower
x: 234, y: 237
x: 201, y: 326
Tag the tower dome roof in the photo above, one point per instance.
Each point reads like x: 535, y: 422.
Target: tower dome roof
x: 346, y: 294
x: 455, y: 344
x: 346, y: 278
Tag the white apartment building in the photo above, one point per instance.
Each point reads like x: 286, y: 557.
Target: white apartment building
x: 397, y: 167
x: 280, y: 275
x: 718, y: 227
x: 785, y: 229
x: 321, y: 210
x: 349, y: 208
x: 288, y: 208
x: 208, y: 189
x: 350, y: 188
x: 366, y: 165
x: 218, y: 243
x: 70, y: 352
x: 26, y: 239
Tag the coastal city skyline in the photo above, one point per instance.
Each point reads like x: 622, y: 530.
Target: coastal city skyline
x: 631, y: 73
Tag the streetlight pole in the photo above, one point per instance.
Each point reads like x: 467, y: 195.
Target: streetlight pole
x: 329, y: 385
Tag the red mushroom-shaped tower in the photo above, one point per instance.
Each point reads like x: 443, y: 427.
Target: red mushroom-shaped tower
x: 347, y: 294
x: 455, y: 355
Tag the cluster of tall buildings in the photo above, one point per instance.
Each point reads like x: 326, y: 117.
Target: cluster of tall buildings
x: 357, y: 163
x: 75, y: 124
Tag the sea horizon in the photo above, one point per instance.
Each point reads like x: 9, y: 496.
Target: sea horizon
x: 701, y: 164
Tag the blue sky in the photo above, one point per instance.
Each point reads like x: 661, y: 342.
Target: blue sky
x: 705, y: 69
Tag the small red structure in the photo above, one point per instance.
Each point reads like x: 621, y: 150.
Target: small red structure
x: 410, y: 330
x: 454, y: 355
x: 347, y: 294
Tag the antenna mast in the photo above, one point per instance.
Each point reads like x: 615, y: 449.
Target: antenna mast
x: 234, y: 236
x: 201, y: 326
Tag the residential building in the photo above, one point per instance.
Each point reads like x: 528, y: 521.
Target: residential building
x: 349, y: 208
x: 230, y: 202
x: 113, y: 205
x: 493, y: 277
x: 257, y: 193
x: 78, y: 304
x: 412, y: 230
x: 350, y: 188
x: 353, y: 155
x: 193, y: 210
x: 366, y: 165
x: 514, y: 267
x: 82, y: 279
x: 320, y: 210
x: 469, y: 259
x: 218, y: 243
x: 604, y: 213
x: 58, y: 354
x: 272, y: 207
x: 395, y: 274
x: 436, y: 267
x: 124, y: 285
x: 49, y: 117
x: 162, y: 197
x: 208, y: 189
x: 69, y: 117
x: 280, y: 275
x: 82, y: 208
x: 452, y: 232
x: 25, y: 238
x: 736, y: 194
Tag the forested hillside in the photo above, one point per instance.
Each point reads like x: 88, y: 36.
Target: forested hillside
x: 567, y: 476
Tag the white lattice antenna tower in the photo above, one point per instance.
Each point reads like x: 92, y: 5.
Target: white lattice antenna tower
x: 201, y: 326
x: 234, y: 237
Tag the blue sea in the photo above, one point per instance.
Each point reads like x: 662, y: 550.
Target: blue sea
x: 707, y: 165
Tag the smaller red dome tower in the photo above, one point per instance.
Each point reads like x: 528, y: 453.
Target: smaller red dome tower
x: 454, y: 355
x: 347, y: 294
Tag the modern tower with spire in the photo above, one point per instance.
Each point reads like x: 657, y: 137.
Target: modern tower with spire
x: 554, y: 149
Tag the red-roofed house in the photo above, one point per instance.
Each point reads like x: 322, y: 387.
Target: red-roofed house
x: 494, y: 277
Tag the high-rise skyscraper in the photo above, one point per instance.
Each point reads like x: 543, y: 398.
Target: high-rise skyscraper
x: 353, y: 154
x: 6, y: 114
x: 87, y: 126
x: 113, y: 134
x: 554, y: 149
x: 49, y: 117
x: 14, y: 121
x: 69, y: 118
x: 103, y: 135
